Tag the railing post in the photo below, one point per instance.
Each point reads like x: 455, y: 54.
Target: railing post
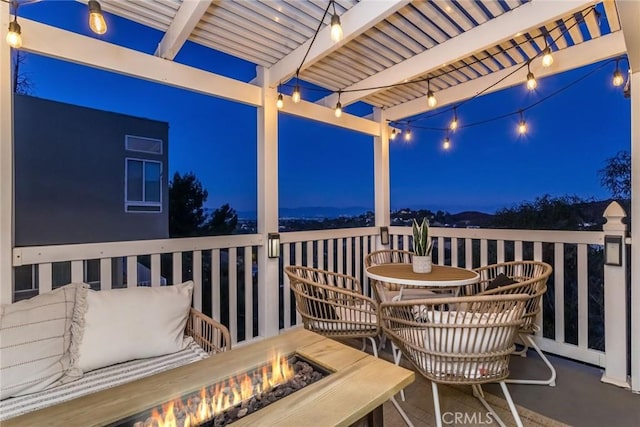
x: 615, y: 299
x: 381, y: 176
x: 6, y: 167
x: 268, y: 268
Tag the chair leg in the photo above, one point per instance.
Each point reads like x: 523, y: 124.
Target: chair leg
x: 529, y: 342
x: 373, y: 345
x: 512, y: 406
x: 436, y: 403
x: 401, y: 412
x: 397, y: 355
x: 479, y: 394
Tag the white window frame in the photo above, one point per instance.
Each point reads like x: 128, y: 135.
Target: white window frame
x: 136, y: 203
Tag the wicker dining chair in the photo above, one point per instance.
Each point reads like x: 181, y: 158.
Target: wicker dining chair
x: 332, y: 304
x: 463, y: 347
x: 522, y: 277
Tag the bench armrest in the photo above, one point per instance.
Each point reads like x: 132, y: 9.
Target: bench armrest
x: 209, y: 334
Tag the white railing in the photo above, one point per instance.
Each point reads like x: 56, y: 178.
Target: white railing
x: 223, y: 262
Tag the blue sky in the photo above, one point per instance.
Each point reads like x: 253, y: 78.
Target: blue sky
x: 488, y: 167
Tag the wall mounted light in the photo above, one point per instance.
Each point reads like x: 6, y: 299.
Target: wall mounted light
x: 384, y: 235
x: 613, y: 250
x: 96, y: 18
x: 273, y: 245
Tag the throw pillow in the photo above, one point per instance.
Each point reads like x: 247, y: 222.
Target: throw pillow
x: 35, y: 339
x: 500, y: 281
x: 133, y: 323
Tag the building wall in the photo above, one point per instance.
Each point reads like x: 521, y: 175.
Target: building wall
x: 70, y: 175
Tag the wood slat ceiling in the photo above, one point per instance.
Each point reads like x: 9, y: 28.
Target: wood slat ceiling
x: 266, y: 31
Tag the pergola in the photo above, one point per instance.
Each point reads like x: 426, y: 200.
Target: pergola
x: 461, y: 47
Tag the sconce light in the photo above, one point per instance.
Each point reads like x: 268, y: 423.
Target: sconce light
x: 384, y: 235
x: 273, y: 245
x: 613, y: 250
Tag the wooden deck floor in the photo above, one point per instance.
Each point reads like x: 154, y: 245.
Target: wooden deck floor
x: 578, y: 399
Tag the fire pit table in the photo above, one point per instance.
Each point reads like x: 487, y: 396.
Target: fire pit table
x: 352, y: 393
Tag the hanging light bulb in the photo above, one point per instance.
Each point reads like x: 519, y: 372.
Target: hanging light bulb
x: 280, y: 101
x: 96, y: 19
x: 431, y: 98
x: 531, y: 79
x: 618, y: 80
x: 394, y: 133
x: 338, y: 110
x: 14, y: 36
x: 547, y: 58
x: 446, y: 144
x: 407, y: 135
x: 295, y: 96
x: 522, y: 126
x: 336, y: 28
x: 454, y: 123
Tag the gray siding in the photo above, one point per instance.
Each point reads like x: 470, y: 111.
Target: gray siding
x: 70, y: 175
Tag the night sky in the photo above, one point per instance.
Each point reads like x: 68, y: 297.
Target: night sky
x: 488, y: 166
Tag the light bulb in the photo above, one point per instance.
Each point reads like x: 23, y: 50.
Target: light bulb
x: 394, y: 133
x: 431, y: 99
x: 280, y: 102
x: 531, y: 81
x: 618, y: 80
x: 295, y: 96
x: 446, y: 144
x: 454, y: 124
x: 338, y: 110
x: 14, y: 37
x: 96, y: 19
x: 407, y: 135
x: 522, y: 127
x: 547, y: 58
x: 336, y: 28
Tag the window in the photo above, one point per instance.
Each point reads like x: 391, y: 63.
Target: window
x: 143, y: 145
x: 143, y: 187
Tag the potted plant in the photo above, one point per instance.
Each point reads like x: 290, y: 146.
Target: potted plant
x: 422, y: 245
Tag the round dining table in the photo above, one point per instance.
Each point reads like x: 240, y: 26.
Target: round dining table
x: 440, y: 277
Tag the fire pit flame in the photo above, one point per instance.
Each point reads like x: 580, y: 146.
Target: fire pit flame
x: 218, y: 398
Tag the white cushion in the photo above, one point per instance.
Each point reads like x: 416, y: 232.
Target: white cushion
x: 35, y: 340
x: 133, y: 323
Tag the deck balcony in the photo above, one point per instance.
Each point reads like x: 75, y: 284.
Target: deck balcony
x: 590, y: 322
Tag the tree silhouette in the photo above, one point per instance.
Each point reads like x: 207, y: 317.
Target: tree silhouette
x: 222, y: 221
x: 616, y: 175
x: 186, y: 200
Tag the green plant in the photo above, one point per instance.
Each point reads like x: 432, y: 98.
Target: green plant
x: 422, y: 243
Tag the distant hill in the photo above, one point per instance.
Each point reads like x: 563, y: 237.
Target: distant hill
x: 474, y: 218
x: 313, y: 212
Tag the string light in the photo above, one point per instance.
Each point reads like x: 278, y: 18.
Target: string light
x: 338, y: 110
x: 531, y: 79
x: 407, y: 134
x: 295, y: 96
x: 394, y: 133
x: 14, y: 36
x: 336, y: 28
x: 547, y: 58
x: 96, y: 18
x: 280, y: 101
x: 454, y: 123
x: 431, y: 98
x: 618, y: 80
x: 522, y: 126
x: 447, y: 143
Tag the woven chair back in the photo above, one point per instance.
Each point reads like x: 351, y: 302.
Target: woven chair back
x: 531, y: 277
x: 471, y: 345
x: 332, y: 304
x: 388, y: 256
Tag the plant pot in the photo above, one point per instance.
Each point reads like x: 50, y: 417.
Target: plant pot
x: 421, y: 264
